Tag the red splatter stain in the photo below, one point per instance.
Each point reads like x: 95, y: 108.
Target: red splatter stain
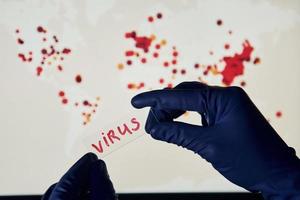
x: 64, y: 101
x: 175, y: 53
x: 20, y: 41
x: 174, y: 62
x: 166, y: 64
x: 61, y: 93
x: 183, y: 71
x: 155, y: 54
x: 159, y: 15
x: 278, y: 114
x: 85, y: 103
x: 219, y: 22
x: 78, y: 78
x: 150, y: 19
x: 39, y: 71
x: 196, y: 66
x: 40, y: 29
x: 141, y: 42
x: 129, y: 53
x: 129, y: 62
x: 256, y: 61
x: 143, y: 60
x: 234, y: 65
x: 174, y: 71
x: 22, y: 57
x: 59, y: 68
x: 17, y: 31
x: 226, y: 46
x: 243, y: 83
x: 66, y: 51
x: 161, y: 80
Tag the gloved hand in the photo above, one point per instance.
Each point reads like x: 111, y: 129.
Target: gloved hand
x: 234, y: 137
x: 87, y: 179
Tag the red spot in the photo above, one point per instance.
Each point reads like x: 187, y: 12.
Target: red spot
x: 130, y: 86
x: 155, y: 54
x: 170, y: 85
x: 157, y: 46
x: 129, y: 53
x: 22, y: 57
x: 174, y: 62
x: 20, y: 41
x: 183, y: 71
x: 141, y: 42
x: 143, y: 60
x: 44, y: 51
x: 196, y: 66
x: 39, y: 70
x: 142, y: 85
x: 17, y: 31
x: 219, y: 22
x: 205, y: 73
x: 234, y: 65
x: 44, y: 39
x: 166, y: 64
x: 66, y: 51
x: 278, y: 114
x: 78, y: 78
x: 85, y: 103
x: 161, y: 81
x: 159, y: 15
x: 150, y: 19
x: 243, y: 83
x: 59, y: 68
x: 129, y: 62
x: 256, y: 61
x: 64, y: 101
x: 175, y: 53
x: 30, y: 52
x: 174, y: 71
x: 40, y: 29
x: 61, y: 93
x: 226, y: 46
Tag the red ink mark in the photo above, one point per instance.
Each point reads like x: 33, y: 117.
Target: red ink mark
x: 129, y: 53
x: 183, y: 71
x: 20, y: 41
x: 226, y: 46
x: 196, y: 66
x: 78, y: 78
x: 278, y: 114
x: 166, y: 64
x: 66, y: 51
x: 150, y: 19
x: 130, y: 86
x: 61, y: 93
x: 141, y: 42
x: 243, y: 83
x: 174, y: 62
x: 64, y: 101
x: 59, y: 68
x: 234, y: 65
x: 22, y: 57
x: 155, y: 54
x: 174, y: 71
x: 159, y: 15
x: 44, y: 51
x: 175, y: 53
x: 157, y: 46
x: 39, y: 70
x: 129, y: 62
x: 170, y: 85
x: 85, y: 103
x: 256, y: 61
x: 40, y: 29
x: 219, y: 22
x: 17, y: 31
x: 161, y: 80
x: 143, y: 60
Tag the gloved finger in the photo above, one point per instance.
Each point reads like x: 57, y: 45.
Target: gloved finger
x: 47, y: 194
x: 177, y: 99
x: 100, y: 183
x: 186, y: 135
x: 75, y: 181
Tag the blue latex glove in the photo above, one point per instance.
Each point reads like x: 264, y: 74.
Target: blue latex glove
x: 234, y: 137
x: 87, y: 179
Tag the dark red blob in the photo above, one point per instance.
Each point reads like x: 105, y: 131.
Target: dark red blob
x: 85, y: 103
x: 40, y: 29
x: 278, y: 114
x: 143, y: 60
x: 129, y: 53
x: 166, y: 64
x: 61, y: 93
x: 141, y: 42
x: 130, y: 86
x: 44, y: 51
x: 256, y: 61
x: 226, y: 46
x: 39, y: 71
x: 243, y: 83
x: 196, y: 66
x: 129, y: 62
x: 219, y: 22
x: 66, y: 51
x: 130, y: 34
x: 157, y: 46
x: 44, y: 39
x: 155, y: 54
x: 159, y: 15
x: 174, y: 62
x: 78, y: 78
x: 55, y: 39
x: 174, y: 71
x: 161, y: 80
x: 59, y: 68
x: 150, y: 19
x: 141, y: 85
x: 170, y: 85
x: 234, y: 65
x: 64, y: 101
x: 20, y: 41
x: 175, y: 53
x: 17, y: 31
x: 205, y: 73
x: 22, y: 57
x: 183, y: 71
